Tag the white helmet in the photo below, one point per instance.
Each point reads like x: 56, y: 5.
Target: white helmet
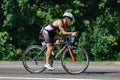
x: 68, y: 14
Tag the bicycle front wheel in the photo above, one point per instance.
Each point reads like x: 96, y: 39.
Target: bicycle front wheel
x: 77, y: 65
x: 34, y: 59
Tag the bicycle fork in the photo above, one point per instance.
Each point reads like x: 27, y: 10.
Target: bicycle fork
x: 71, y: 53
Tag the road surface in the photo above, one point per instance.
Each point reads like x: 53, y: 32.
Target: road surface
x: 14, y: 70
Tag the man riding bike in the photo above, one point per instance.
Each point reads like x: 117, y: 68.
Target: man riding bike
x: 49, y: 34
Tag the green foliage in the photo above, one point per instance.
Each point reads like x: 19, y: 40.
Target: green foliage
x: 97, y: 20
x: 6, y: 50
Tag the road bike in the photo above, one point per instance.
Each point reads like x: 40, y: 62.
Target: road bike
x: 74, y: 59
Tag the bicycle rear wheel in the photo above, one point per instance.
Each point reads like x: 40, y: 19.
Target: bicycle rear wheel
x: 78, y: 65
x: 34, y: 59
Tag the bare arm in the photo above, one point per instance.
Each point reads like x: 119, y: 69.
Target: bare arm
x: 62, y: 29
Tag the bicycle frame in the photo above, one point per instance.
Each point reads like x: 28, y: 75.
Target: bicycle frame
x: 60, y: 52
x: 67, y: 45
x: 63, y: 48
x: 71, y: 53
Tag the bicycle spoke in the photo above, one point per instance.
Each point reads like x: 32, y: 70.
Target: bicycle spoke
x: 34, y: 59
x: 75, y: 66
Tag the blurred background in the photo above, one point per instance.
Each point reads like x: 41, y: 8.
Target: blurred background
x: 98, y: 22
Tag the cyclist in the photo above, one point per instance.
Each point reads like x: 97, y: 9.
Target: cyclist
x: 49, y: 34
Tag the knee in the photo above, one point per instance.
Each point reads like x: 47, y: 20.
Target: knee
x: 49, y: 49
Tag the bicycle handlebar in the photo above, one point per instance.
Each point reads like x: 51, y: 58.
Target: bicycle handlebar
x: 68, y: 38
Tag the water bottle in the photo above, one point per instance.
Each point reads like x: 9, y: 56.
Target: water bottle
x: 72, y: 39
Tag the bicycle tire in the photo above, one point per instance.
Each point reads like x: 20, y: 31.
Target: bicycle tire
x: 71, y: 66
x: 33, y: 61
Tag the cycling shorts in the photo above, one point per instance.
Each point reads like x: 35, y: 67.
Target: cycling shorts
x: 48, y: 36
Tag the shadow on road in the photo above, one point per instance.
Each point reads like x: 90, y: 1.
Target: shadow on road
x: 89, y: 73
x: 102, y: 73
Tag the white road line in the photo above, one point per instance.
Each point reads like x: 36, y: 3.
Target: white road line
x: 26, y: 78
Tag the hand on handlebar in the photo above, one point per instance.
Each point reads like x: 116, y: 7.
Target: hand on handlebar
x: 75, y: 34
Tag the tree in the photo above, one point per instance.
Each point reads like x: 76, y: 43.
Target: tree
x: 97, y: 20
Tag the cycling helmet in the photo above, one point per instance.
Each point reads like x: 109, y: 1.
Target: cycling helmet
x: 69, y: 15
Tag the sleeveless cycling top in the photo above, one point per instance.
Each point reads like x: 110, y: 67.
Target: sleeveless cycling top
x: 51, y: 27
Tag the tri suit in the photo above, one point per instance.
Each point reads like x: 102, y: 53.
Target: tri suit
x: 49, y: 32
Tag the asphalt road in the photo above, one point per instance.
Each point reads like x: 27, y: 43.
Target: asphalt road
x: 14, y: 70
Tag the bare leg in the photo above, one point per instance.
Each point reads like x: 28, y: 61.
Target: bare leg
x: 57, y: 38
x: 48, y: 52
x: 50, y: 47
